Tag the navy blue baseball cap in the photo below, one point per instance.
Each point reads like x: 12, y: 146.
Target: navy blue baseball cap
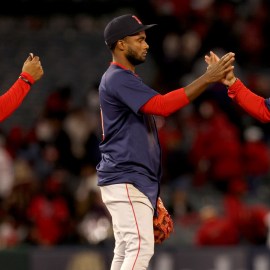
x: 123, y: 26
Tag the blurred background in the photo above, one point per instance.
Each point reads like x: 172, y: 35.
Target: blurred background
x: 216, y: 158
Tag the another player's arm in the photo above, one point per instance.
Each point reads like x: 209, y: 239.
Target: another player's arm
x: 11, y: 99
x: 165, y: 105
x: 255, y: 105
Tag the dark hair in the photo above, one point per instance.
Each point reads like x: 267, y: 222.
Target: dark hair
x: 112, y: 47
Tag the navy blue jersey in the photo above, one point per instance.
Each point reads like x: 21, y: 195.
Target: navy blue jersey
x: 267, y: 103
x: 130, y: 149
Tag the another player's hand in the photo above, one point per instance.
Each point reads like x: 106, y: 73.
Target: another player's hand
x: 229, y: 78
x: 218, y: 69
x: 32, y: 65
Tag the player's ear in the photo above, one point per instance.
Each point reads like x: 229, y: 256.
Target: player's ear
x: 121, y: 44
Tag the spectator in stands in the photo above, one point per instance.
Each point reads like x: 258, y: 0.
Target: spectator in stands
x: 216, y: 230
x: 256, y: 158
x: 49, y: 213
x: 251, y: 220
x: 216, y: 150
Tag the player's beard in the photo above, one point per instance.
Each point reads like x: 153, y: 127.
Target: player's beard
x: 133, y: 58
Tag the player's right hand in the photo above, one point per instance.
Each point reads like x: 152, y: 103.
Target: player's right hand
x: 217, y: 71
x: 229, y: 78
x: 32, y: 66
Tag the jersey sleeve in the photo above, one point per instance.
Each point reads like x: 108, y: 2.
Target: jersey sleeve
x: 164, y: 105
x: 11, y: 99
x: 256, y: 106
x: 131, y: 91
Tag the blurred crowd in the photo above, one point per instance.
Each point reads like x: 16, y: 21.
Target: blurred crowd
x: 216, y: 158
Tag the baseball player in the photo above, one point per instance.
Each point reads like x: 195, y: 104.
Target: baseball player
x: 31, y: 72
x: 129, y: 172
x: 255, y: 105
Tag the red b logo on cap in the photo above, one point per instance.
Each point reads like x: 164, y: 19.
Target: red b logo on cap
x: 136, y: 18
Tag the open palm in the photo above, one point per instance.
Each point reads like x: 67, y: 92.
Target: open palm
x: 212, y: 58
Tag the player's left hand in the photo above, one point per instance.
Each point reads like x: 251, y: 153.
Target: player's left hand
x: 163, y: 223
x: 32, y: 66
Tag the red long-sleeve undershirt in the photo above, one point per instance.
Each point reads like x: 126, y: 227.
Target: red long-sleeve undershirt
x: 11, y: 99
x: 249, y: 101
x: 164, y: 105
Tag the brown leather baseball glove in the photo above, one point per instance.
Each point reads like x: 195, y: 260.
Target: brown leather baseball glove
x: 163, y: 223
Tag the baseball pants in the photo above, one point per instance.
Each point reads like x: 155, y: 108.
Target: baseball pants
x: 132, y: 219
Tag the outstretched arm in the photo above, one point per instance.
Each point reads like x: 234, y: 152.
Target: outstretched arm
x: 165, y: 105
x: 253, y: 104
